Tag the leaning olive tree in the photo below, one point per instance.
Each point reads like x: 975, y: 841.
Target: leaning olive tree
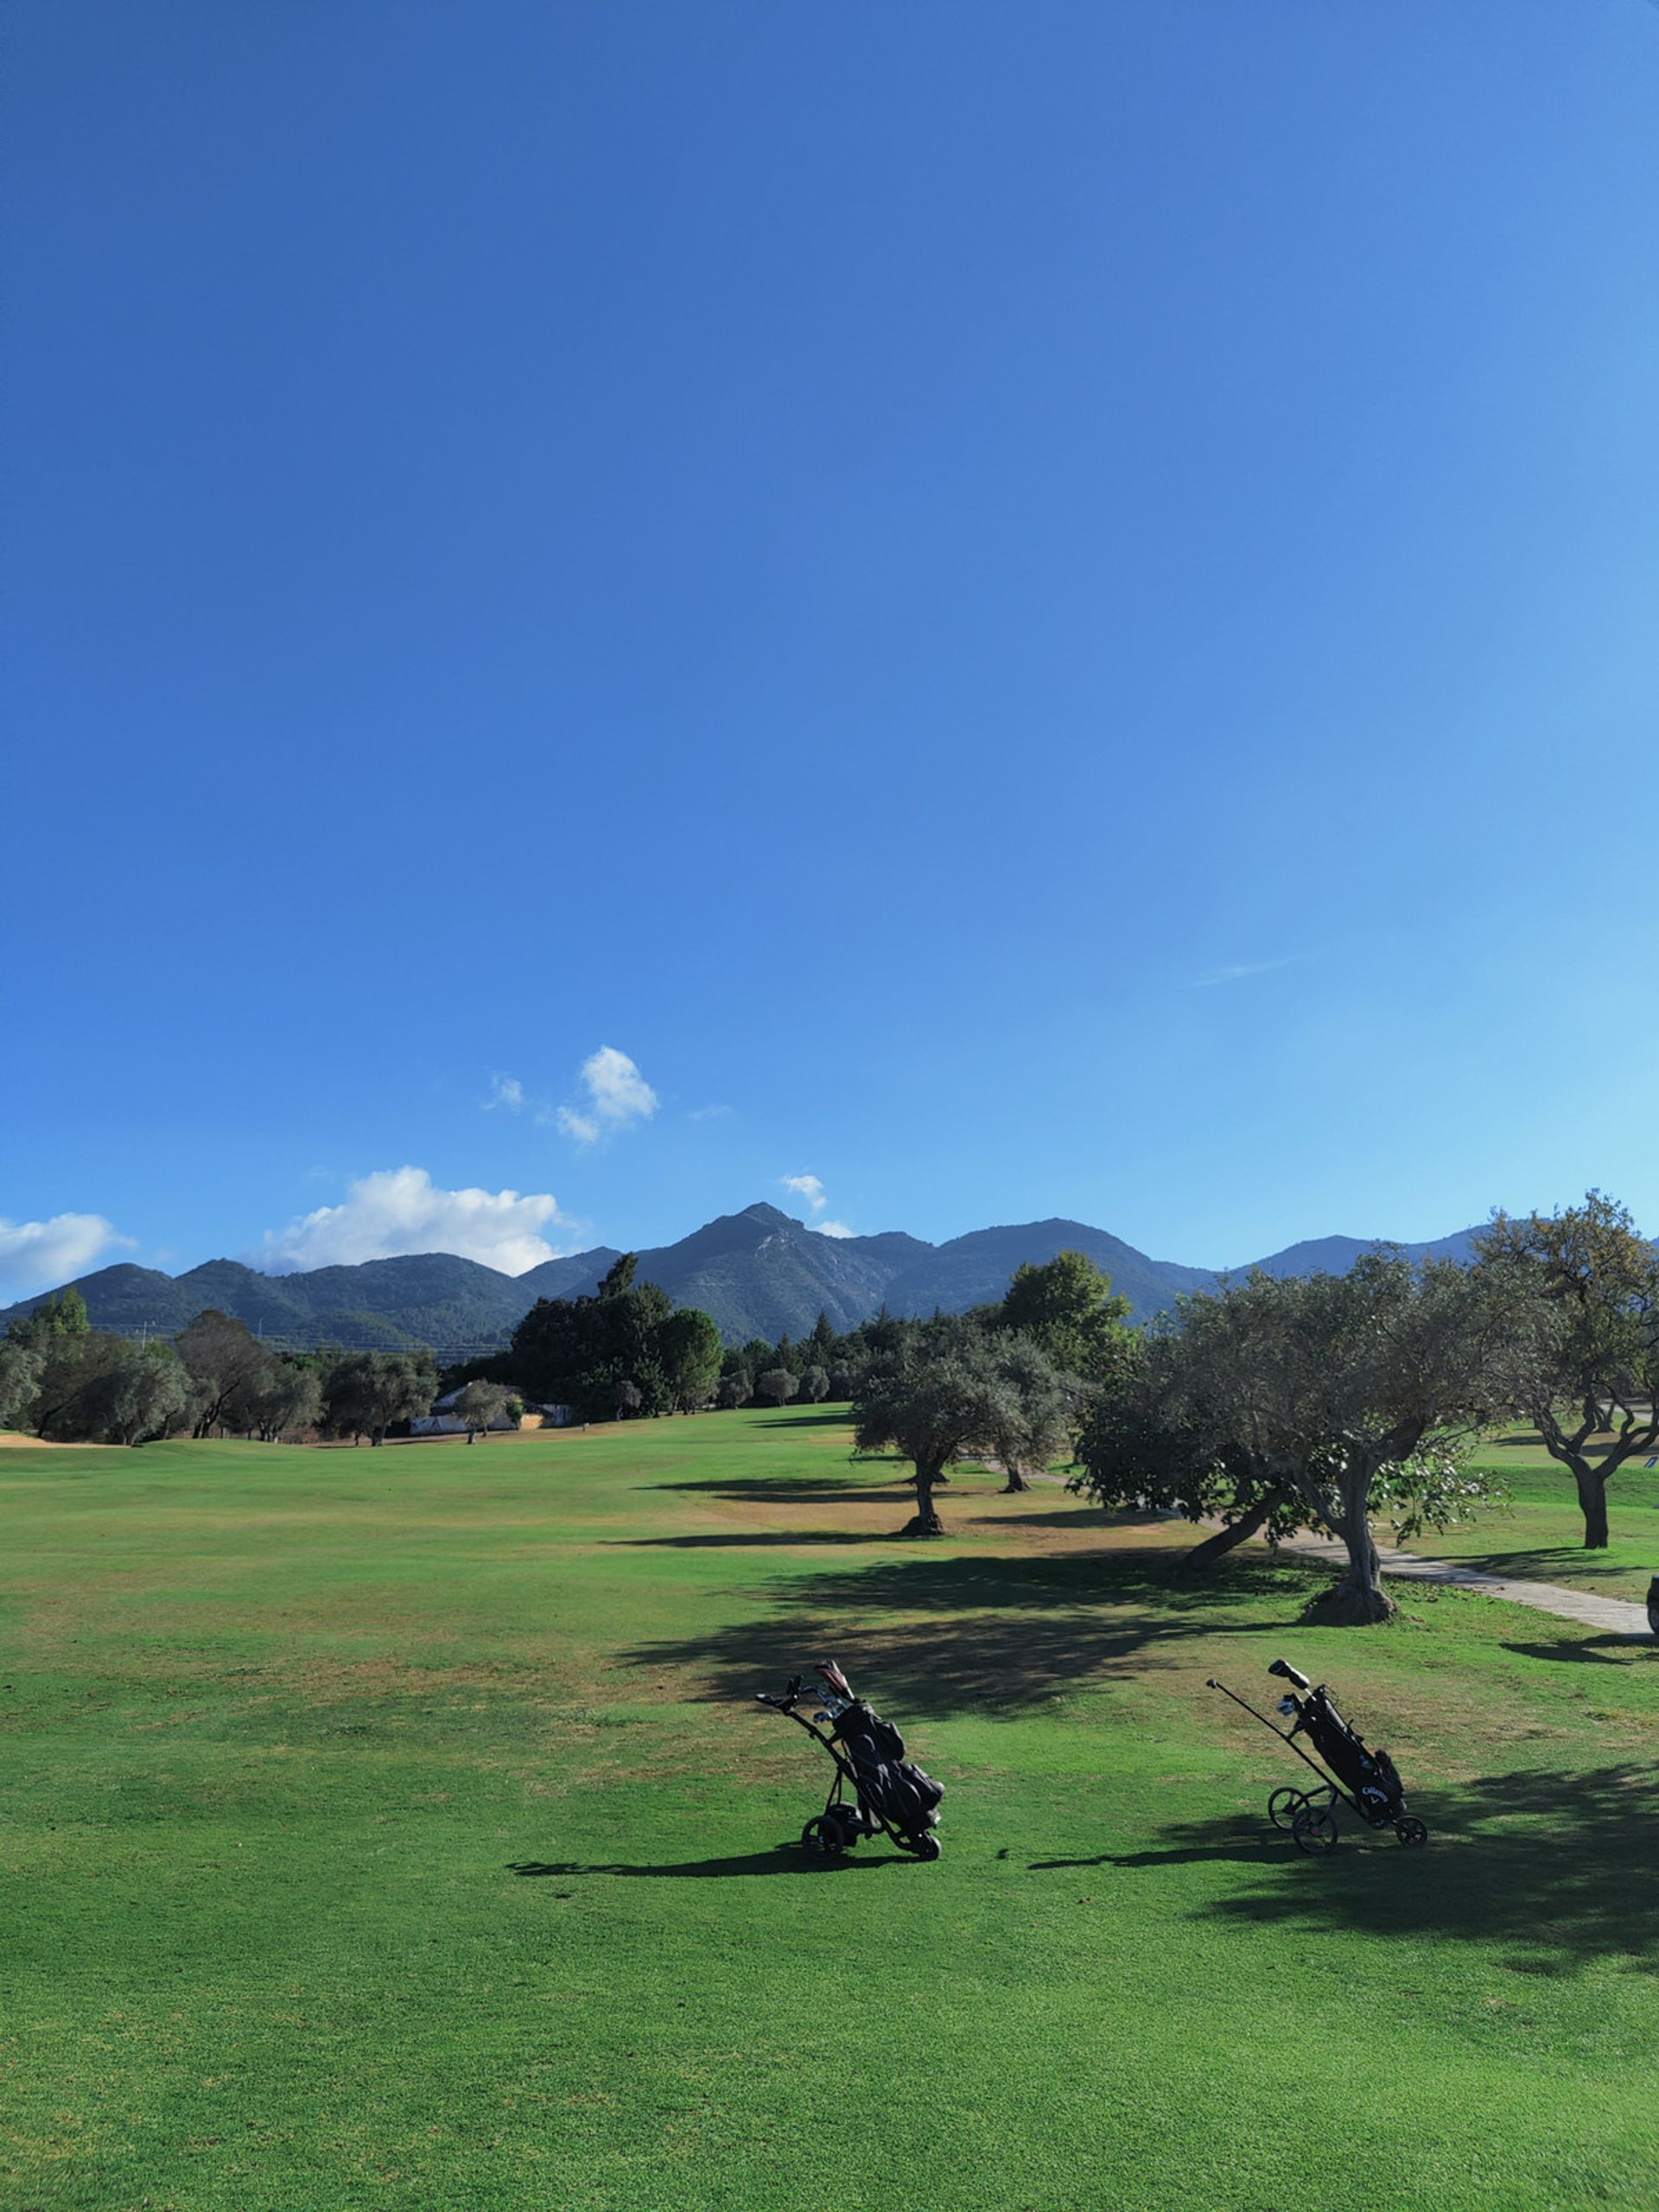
x: 1337, y: 1399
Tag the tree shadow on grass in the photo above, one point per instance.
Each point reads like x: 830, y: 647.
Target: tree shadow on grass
x: 782, y: 1490
x: 741, y: 1539
x: 997, y: 1635
x: 785, y: 1859
x: 1556, y: 1867
x: 1596, y: 1650
x: 841, y: 1419
x: 1553, y: 1563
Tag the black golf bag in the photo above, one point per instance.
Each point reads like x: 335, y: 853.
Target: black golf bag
x: 886, y: 1782
x: 1351, y: 1772
x: 889, y: 1793
x: 1370, y: 1778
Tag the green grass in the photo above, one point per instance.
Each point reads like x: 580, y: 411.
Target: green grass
x: 393, y: 1829
x: 1540, y: 1534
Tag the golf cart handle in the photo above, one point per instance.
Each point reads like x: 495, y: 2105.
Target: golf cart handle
x: 790, y: 1695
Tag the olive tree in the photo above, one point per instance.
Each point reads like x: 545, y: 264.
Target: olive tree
x: 481, y: 1405
x: 1592, y: 1282
x: 969, y: 1393
x: 776, y: 1387
x: 1360, y: 1393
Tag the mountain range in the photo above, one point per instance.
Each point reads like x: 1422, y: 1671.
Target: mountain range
x: 761, y: 1273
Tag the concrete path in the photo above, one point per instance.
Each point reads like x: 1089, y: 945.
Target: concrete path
x: 1610, y: 1615
x: 1613, y: 1616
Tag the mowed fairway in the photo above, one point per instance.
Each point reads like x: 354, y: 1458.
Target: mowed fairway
x: 393, y: 1828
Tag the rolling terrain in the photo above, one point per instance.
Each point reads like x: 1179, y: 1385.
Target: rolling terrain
x: 761, y: 1273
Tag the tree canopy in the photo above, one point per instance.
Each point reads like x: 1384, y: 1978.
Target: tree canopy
x: 1591, y: 1284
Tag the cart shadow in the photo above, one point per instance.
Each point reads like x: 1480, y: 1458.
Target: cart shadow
x: 785, y: 1859
x: 987, y: 1635
x: 1554, y: 1868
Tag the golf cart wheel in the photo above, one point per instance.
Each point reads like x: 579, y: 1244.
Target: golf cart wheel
x: 1411, y: 1830
x: 824, y: 1835
x: 925, y: 1846
x: 1284, y: 1805
x: 1314, y: 1829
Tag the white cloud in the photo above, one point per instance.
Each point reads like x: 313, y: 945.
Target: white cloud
x: 616, y: 1094
x: 401, y: 1210
x: 808, y: 1187
x: 505, y: 1090
x: 708, y: 1113
x: 40, y: 1255
x: 834, y: 1228
x: 1237, y: 973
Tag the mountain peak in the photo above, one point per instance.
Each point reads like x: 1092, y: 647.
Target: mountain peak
x: 769, y: 1215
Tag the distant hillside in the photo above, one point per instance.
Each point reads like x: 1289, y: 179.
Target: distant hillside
x: 1334, y: 1256
x: 760, y: 1273
x: 975, y: 1269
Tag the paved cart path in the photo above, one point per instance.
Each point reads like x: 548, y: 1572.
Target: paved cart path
x: 1613, y: 1616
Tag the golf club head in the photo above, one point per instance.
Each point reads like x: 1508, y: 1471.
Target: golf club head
x: 1283, y: 1668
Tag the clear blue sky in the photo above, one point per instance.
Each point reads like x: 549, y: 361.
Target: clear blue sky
x: 1020, y: 609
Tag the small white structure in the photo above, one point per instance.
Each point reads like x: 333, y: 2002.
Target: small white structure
x: 444, y: 1421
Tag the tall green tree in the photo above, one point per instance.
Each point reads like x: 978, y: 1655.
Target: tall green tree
x: 689, y: 1353
x: 1067, y: 1307
x: 225, y: 1361
x: 1591, y: 1391
x: 63, y: 1314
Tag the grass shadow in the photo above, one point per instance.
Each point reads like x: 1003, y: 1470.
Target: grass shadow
x: 1546, y: 1564
x: 938, y: 1634
x: 742, y: 1540
x: 779, y: 1490
x: 1596, y: 1650
x: 785, y: 1858
x: 1554, y: 1866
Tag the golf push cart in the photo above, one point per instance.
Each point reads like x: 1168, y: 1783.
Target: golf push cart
x: 1349, y: 1771
x: 878, y: 1791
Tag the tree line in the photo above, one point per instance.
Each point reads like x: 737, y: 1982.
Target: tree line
x: 68, y: 1383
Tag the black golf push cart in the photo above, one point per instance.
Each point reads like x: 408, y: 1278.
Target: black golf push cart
x: 1350, y: 1772
x: 878, y: 1791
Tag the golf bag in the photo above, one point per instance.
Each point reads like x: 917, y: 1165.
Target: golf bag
x: 1370, y: 1778
x: 877, y: 1790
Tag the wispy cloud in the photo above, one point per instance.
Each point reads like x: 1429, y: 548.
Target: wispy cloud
x: 40, y: 1255
x: 505, y: 1090
x: 1243, y: 968
x: 617, y: 1096
x: 807, y: 1187
x: 402, y: 1210
x: 710, y: 1113
x: 810, y: 1189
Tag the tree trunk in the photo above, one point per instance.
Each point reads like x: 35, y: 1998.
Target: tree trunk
x: 1235, y: 1533
x: 1359, y: 1598
x: 1591, y: 1480
x: 926, y: 1521
x: 1016, y: 1481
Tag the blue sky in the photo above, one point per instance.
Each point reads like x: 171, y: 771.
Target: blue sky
x: 1020, y: 611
